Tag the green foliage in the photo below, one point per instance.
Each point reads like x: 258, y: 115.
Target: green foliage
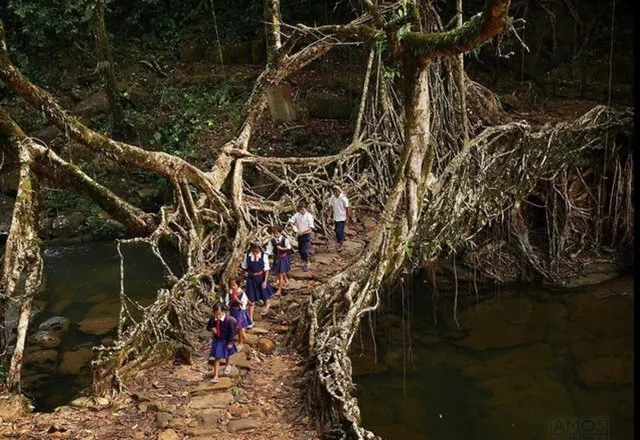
x: 99, y: 224
x: 187, y: 113
x: 59, y: 200
x: 105, y: 228
x: 39, y: 23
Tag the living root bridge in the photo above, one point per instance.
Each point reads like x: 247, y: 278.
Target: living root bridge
x: 481, y: 185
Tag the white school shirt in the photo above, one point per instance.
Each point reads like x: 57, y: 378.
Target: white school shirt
x: 253, y: 257
x: 244, y: 300
x: 339, y: 205
x: 270, y: 248
x: 302, y: 221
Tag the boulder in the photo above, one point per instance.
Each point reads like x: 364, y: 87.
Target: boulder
x: 47, y: 134
x: 99, y: 325
x: 95, y: 105
x: 61, y: 305
x: 13, y: 407
x: 68, y: 224
x: 266, y: 345
x: 106, y: 308
x: 73, y: 361
x: 35, y: 381
x: 41, y: 360
x: 44, y: 339
x: 56, y: 326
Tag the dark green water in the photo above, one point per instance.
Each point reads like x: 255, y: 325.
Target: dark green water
x: 84, y: 281
x: 521, y: 363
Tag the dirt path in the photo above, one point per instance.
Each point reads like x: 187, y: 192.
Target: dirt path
x: 261, y: 399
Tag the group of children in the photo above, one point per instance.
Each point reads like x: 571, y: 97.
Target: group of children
x: 241, y: 303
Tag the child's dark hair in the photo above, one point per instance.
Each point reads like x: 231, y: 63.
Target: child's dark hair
x: 276, y: 228
x: 238, y: 280
x: 218, y: 307
x: 302, y: 204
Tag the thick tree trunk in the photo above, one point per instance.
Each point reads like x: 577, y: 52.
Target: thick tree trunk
x: 106, y: 66
x: 22, y: 271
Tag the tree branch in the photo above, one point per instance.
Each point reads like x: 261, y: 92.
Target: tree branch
x: 47, y: 163
x: 493, y: 20
x: 120, y: 152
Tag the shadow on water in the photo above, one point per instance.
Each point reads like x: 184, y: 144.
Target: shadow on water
x: 83, y: 285
x: 523, y: 361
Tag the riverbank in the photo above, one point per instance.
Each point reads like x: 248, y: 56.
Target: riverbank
x: 262, y: 397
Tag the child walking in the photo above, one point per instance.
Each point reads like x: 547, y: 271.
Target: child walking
x: 256, y: 264
x: 303, y: 223
x: 280, y: 247
x: 237, y: 302
x: 223, y: 328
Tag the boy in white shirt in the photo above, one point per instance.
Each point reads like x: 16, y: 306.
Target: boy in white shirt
x: 341, y: 211
x: 303, y: 222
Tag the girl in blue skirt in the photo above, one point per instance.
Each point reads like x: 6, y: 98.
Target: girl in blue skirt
x: 223, y: 328
x: 280, y: 248
x: 256, y: 264
x: 238, y: 302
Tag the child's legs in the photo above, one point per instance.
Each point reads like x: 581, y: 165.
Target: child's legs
x: 339, y: 231
x: 250, y: 309
x: 305, y: 244
x: 241, y: 335
x: 216, y: 368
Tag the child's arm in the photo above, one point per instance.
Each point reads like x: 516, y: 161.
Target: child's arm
x: 244, y: 299
x: 210, y: 323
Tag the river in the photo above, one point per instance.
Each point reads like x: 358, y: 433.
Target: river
x: 83, y: 285
x: 523, y: 361
x: 528, y: 363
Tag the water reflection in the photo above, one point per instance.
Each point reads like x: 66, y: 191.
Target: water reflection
x: 519, y: 361
x: 83, y: 285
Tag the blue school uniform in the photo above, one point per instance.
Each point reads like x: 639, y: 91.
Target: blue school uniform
x: 281, y: 263
x: 237, y: 311
x: 225, y: 334
x: 255, y: 278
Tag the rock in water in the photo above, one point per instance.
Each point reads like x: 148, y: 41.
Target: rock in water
x: 99, y: 325
x: 44, y: 339
x: 73, y: 361
x: 56, y: 325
